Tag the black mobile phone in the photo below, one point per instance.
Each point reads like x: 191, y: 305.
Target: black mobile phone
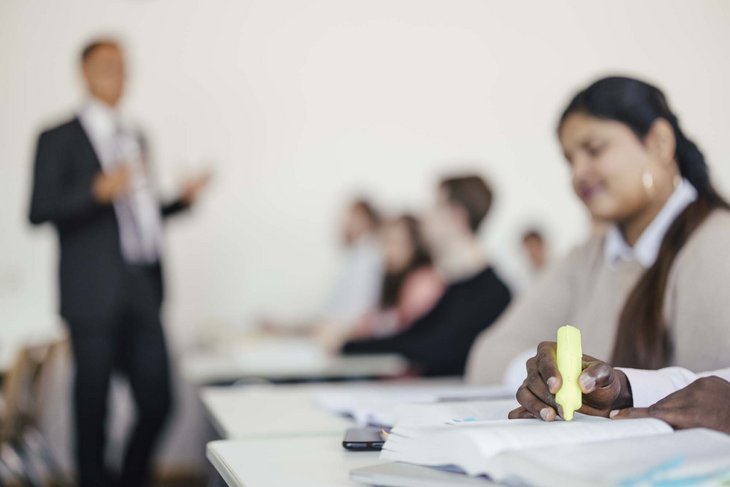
x: 363, y: 439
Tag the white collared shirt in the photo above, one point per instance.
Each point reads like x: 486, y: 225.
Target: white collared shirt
x: 650, y: 386
x: 357, y: 289
x: 646, y: 249
x: 116, y: 142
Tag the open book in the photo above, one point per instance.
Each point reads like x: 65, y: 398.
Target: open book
x: 467, y: 445
x: 691, y: 457
x: 457, y: 412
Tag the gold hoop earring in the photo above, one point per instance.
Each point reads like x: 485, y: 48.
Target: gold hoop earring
x: 647, y: 179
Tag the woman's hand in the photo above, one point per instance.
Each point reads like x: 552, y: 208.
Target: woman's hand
x: 604, y: 388
x: 702, y: 404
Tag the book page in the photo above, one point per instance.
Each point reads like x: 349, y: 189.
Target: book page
x: 453, y: 412
x: 377, y: 405
x: 696, y: 455
x: 467, y: 445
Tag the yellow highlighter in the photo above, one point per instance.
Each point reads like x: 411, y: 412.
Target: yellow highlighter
x: 570, y: 365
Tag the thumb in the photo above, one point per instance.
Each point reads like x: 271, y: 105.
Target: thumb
x: 629, y: 413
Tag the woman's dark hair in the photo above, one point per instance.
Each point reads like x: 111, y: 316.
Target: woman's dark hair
x: 643, y: 339
x: 393, y: 281
x: 368, y: 209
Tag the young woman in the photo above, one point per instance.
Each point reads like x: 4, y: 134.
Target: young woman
x: 652, y: 291
x: 410, y: 287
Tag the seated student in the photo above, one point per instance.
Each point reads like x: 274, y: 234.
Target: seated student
x: 358, y: 285
x: 357, y: 288
x: 410, y: 287
x: 652, y: 291
x: 475, y: 296
x: 675, y: 395
x: 535, y: 249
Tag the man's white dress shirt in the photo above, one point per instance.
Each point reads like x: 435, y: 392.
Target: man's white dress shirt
x: 116, y: 142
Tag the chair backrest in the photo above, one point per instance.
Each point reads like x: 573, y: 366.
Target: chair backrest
x: 22, y: 391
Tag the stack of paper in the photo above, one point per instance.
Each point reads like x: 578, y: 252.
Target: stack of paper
x: 378, y: 405
x: 445, y: 413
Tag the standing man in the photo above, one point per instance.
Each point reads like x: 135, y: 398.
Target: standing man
x: 92, y: 182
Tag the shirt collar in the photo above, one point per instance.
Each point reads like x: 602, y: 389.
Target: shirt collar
x: 99, y: 117
x: 646, y: 249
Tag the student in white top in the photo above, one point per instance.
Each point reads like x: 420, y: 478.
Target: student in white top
x: 358, y: 285
x: 357, y: 288
x: 673, y: 394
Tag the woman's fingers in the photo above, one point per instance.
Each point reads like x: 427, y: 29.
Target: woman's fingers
x: 667, y: 415
x: 534, y: 404
x: 520, y: 413
x: 539, y: 389
x: 599, y: 383
x: 703, y: 403
x: 547, y: 366
x: 595, y: 376
x: 630, y: 413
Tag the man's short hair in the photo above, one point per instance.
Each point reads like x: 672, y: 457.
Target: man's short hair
x: 94, y: 44
x: 471, y: 193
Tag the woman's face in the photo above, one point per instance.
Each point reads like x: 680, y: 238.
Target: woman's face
x: 438, y: 225
x: 355, y: 224
x: 608, y: 165
x: 397, y: 246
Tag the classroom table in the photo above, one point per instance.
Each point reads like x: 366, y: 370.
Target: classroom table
x: 283, y: 360
x: 266, y: 411
x: 314, y: 461
x: 262, y: 411
x: 278, y: 435
x: 301, y: 461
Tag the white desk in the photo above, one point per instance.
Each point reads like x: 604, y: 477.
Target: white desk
x: 304, y: 461
x: 278, y: 359
x: 266, y: 411
x: 261, y: 411
x: 279, y: 436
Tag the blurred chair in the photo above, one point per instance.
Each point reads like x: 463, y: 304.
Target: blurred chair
x: 25, y: 456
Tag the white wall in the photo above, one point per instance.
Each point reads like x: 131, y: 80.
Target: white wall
x: 299, y: 103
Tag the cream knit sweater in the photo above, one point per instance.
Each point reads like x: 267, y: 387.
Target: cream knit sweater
x: 586, y: 291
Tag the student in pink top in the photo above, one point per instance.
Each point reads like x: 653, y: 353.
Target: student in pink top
x: 410, y: 287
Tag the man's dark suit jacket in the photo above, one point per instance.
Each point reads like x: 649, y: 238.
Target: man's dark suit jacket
x: 92, y: 268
